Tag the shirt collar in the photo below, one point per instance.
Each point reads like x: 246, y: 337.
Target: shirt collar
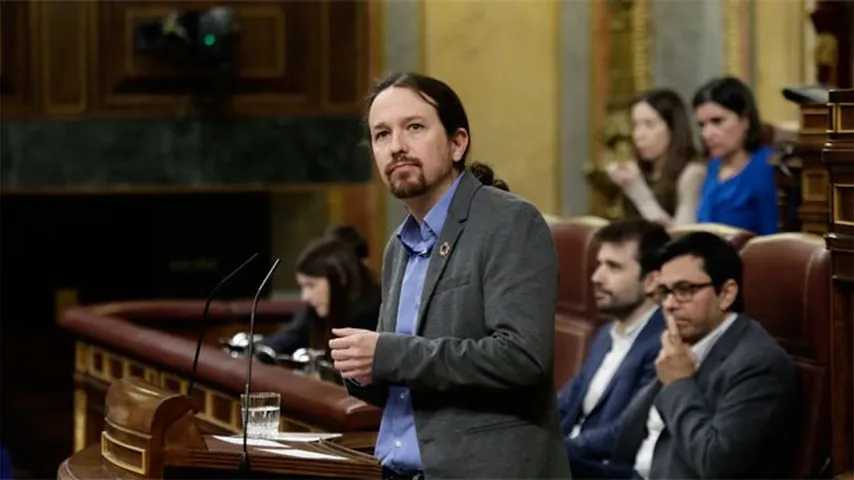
x: 634, y: 329
x: 701, y: 349
x: 419, y: 238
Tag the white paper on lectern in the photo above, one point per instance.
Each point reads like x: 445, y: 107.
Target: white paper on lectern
x: 293, y: 452
x: 254, y: 442
x: 304, y: 436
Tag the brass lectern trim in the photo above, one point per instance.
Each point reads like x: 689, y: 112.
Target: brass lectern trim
x: 80, y: 356
x: 165, y: 378
x: 103, y: 372
x: 129, y: 365
x: 209, y: 414
x: 106, y: 453
x: 79, y: 419
x: 122, y: 429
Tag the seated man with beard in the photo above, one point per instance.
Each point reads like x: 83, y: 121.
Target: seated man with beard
x: 620, y: 360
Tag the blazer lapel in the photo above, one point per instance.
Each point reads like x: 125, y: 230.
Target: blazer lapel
x: 634, y: 423
x: 597, y: 356
x: 651, y: 329
x: 721, y: 350
x: 398, y: 268
x: 447, y: 241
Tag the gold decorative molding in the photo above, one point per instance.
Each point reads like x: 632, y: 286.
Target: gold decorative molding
x: 232, y: 419
x: 109, y: 444
x: 79, y: 419
x: 641, y: 59
x: 620, y: 43
x: 81, y: 354
x: 736, y: 41
x: 174, y: 383
x: 218, y: 408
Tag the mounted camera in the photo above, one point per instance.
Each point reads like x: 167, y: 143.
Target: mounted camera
x: 195, y: 38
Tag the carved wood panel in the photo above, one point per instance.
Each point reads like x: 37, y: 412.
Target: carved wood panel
x: 838, y: 157
x: 85, y: 58
x: 621, y: 70
x: 813, y: 211
x: 63, y: 56
x: 289, y: 57
x: 16, y: 58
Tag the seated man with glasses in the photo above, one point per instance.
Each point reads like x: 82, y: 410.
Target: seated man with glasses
x: 722, y: 405
x: 620, y: 359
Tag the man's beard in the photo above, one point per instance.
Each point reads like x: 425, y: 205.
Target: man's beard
x: 620, y: 310
x: 409, y: 186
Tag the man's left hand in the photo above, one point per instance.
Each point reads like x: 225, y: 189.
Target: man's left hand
x: 675, y: 359
x: 353, y: 353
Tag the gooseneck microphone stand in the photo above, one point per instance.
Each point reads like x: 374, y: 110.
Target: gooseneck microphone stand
x: 225, y: 281
x: 244, y: 459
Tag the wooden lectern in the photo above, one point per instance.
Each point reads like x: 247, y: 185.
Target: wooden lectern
x: 152, y: 433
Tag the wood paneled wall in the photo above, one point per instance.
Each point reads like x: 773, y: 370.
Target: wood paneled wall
x: 78, y: 59
x: 17, y: 65
x: 838, y: 157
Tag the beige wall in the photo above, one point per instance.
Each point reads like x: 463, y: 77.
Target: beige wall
x: 502, y: 59
x: 780, y: 36
x: 765, y: 43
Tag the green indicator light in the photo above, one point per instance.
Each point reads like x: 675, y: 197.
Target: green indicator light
x: 210, y: 39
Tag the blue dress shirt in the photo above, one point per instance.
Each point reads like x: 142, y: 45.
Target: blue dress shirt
x: 747, y: 200
x: 397, y: 444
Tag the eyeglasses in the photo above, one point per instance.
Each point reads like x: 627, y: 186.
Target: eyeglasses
x: 682, y: 291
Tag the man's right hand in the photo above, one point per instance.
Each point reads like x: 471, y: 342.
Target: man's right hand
x: 675, y: 359
x: 623, y: 174
x: 353, y: 353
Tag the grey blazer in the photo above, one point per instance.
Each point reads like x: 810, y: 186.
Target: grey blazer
x: 735, y: 418
x: 480, y: 365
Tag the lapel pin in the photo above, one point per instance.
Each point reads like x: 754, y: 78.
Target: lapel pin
x: 444, y: 249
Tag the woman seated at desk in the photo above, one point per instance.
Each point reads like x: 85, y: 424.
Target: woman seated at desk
x: 739, y: 189
x: 338, y: 289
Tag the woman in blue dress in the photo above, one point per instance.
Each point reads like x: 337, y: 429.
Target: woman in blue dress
x: 739, y: 188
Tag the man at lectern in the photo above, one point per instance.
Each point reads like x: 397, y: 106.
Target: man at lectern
x: 461, y: 361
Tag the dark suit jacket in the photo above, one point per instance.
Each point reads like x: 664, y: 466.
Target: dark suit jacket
x: 732, y: 419
x: 480, y: 365
x: 590, y: 452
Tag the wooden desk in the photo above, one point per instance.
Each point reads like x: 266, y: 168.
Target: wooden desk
x: 153, y: 433
x: 154, y: 341
x: 88, y: 464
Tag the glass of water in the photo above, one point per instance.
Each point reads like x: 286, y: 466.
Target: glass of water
x: 264, y: 411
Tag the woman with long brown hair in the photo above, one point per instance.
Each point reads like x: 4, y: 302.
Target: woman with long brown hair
x: 663, y: 184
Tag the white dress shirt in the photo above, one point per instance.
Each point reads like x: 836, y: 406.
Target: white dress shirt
x: 654, y: 422
x: 621, y: 343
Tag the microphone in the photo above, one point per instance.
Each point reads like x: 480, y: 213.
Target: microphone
x: 211, y: 295
x: 244, y: 459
